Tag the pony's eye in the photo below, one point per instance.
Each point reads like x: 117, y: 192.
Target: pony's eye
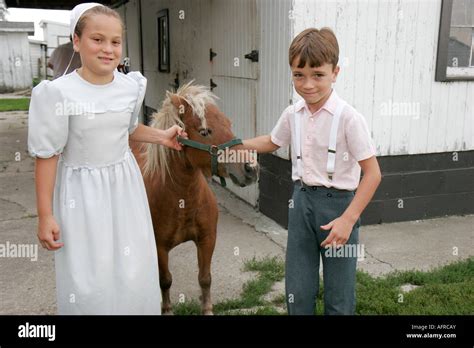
x: 205, y: 132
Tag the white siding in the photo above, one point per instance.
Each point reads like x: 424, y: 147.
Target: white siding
x: 274, y: 84
x: 121, y: 12
x: 234, y: 34
x: 15, y: 64
x: 36, y: 57
x: 131, y: 45
x: 133, y: 35
x: 388, y: 60
x: 55, y: 34
x: 189, y: 50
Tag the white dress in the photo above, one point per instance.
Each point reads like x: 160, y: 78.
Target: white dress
x: 108, y: 264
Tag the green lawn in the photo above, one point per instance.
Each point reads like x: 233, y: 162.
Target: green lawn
x: 14, y: 104
x: 270, y: 270
x: 444, y: 291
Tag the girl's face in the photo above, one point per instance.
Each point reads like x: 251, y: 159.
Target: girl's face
x: 100, y: 44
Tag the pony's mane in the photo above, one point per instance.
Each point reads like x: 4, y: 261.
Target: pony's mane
x: 198, y: 97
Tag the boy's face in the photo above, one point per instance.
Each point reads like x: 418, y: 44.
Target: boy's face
x: 313, y: 84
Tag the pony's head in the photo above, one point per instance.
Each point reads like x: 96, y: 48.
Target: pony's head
x: 193, y: 107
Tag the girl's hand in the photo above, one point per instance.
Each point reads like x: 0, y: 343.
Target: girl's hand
x: 170, y: 137
x: 48, y: 233
x: 341, y: 229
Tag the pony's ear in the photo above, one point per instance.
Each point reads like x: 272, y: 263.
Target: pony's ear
x: 178, y: 102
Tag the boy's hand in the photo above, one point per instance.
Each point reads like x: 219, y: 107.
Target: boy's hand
x: 170, y: 137
x: 48, y: 233
x: 341, y: 229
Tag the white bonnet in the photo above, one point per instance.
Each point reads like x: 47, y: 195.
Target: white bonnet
x: 77, y: 12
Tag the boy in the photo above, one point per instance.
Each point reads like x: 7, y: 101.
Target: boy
x: 330, y: 143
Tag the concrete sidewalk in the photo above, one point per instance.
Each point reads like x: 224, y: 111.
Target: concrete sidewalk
x: 28, y: 287
x: 420, y: 244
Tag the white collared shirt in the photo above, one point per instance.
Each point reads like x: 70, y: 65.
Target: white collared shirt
x: 354, y: 143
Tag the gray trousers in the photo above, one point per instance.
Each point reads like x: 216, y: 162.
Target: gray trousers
x: 314, y: 207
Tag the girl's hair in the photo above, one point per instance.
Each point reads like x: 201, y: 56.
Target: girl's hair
x: 97, y: 10
x: 314, y: 47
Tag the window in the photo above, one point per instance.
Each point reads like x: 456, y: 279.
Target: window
x: 456, y: 41
x: 163, y: 41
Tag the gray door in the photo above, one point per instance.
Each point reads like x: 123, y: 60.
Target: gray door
x: 234, y: 34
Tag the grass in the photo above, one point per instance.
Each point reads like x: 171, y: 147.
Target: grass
x: 447, y: 290
x: 21, y: 104
x: 36, y: 81
x: 270, y: 270
x: 443, y: 291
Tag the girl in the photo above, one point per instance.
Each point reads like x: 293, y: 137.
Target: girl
x: 98, y: 221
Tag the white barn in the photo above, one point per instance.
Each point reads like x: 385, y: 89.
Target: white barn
x: 392, y: 55
x: 406, y: 65
x: 54, y: 34
x: 15, y: 68
x: 38, y: 50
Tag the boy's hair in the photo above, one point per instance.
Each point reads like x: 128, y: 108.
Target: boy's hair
x: 97, y: 10
x: 315, y: 47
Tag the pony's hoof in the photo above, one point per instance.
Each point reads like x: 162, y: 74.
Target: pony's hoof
x: 208, y: 312
x: 167, y: 312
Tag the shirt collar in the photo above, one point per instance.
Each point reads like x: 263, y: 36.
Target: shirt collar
x: 330, y: 104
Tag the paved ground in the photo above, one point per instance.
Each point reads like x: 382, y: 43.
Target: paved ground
x: 16, y: 95
x: 420, y: 244
x: 28, y: 287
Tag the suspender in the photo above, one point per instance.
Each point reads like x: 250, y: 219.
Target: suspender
x: 333, y: 140
x: 330, y: 167
x: 299, y: 164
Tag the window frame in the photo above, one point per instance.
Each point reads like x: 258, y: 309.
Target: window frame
x: 443, y: 44
x: 163, y: 15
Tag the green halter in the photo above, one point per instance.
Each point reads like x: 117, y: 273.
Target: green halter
x: 213, y: 151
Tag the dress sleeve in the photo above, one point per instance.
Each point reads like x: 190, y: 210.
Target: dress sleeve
x: 141, y: 80
x: 47, y: 122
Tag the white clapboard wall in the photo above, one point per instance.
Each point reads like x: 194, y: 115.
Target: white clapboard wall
x: 388, y: 62
x: 234, y: 34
